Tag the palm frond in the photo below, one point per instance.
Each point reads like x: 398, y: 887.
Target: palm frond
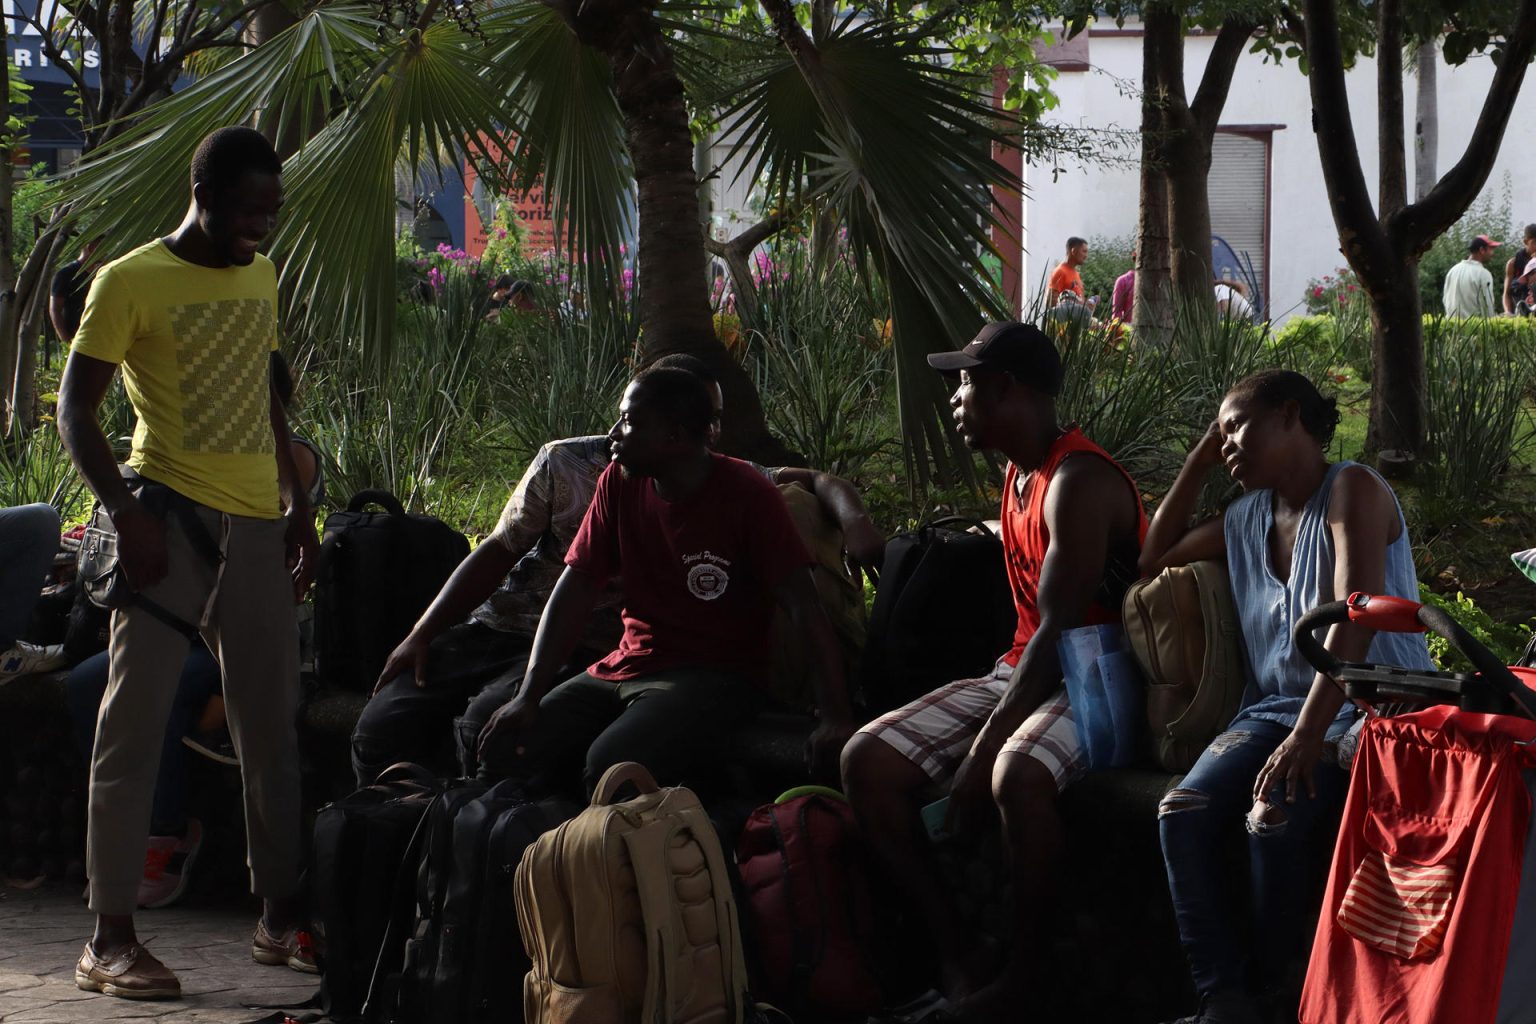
x: 568, y: 130
x: 134, y: 187
x: 899, y: 145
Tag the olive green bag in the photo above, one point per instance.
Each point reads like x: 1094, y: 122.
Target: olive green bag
x: 1183, y: 629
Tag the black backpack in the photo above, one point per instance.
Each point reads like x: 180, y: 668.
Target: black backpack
x: 378, y: 572
x: 464, y: 962
x: 366, y: 848
x: 943, y: 611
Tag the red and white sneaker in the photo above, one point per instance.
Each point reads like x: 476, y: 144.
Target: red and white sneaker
x: 294, y: 948
x: 167, y: 866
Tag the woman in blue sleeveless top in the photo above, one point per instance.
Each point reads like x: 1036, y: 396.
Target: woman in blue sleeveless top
x: 1305, y: 531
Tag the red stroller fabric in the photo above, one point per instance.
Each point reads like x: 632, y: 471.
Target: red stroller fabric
x: 1421, y: 898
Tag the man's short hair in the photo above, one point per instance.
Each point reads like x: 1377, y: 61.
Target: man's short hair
x: 680, y: 397
x: 1074, y: 242
x: 1530, y: 231
x: 224, y: 155
x: 686, y: 361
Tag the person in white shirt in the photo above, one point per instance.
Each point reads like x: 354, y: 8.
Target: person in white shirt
x: 1469, y: 285
x: 1232, y: 300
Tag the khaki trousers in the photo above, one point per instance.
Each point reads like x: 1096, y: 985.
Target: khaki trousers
x: 246, y: 616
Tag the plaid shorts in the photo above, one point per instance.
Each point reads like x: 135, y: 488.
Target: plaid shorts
x: 936, y: 731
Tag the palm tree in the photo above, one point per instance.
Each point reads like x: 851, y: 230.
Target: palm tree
x: 861, y: 122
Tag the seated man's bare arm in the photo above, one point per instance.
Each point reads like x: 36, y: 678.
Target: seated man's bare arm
x: 1090, y: 513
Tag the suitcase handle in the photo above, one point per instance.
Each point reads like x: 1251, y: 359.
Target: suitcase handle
x: 406, y: 771
x: 376, y: 496
x: 949, y: 522
x: 613, y: 778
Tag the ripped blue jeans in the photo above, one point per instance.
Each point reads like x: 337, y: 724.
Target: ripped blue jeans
x: 1196, y: 820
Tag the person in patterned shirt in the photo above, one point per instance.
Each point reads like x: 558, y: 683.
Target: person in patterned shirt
x: 192, y: 321
x: 467, y: 654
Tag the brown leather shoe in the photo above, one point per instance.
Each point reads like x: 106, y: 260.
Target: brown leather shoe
x: 133, y: 973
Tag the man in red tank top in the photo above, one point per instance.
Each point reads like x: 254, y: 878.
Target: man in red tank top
x: 1072, y: 525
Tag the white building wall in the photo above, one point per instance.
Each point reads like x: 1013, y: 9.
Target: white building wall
x: 1096, y: 200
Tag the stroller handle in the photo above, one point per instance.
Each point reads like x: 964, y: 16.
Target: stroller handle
x: 1399, y: 615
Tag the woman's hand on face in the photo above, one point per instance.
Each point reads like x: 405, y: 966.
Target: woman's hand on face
x: 1208, y: 451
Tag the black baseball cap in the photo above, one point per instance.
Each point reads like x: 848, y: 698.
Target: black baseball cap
x: 1020, y: 349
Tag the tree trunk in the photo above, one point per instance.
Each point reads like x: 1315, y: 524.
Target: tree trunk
x: 1384, y: 248
x: 673, y: 285
x: 8, y: 347
x: 1427, y: 130
x: 1397, y: 357
x: 1187, y: 129
x: 1189, y: 218
x: 1153, y: 310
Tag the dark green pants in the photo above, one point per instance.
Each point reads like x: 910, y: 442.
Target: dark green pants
x: 674, y: 723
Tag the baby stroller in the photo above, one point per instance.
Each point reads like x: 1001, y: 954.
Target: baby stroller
x: 1429, y: 915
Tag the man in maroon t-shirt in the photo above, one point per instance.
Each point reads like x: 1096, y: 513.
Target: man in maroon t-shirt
x: 706, y: 549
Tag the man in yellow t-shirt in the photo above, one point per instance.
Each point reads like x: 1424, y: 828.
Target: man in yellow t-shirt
x: 192, y: 320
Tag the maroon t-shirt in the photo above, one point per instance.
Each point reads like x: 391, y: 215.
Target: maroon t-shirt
x: 699, y: 574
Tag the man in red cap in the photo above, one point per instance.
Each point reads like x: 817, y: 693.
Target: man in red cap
x: 1469, y: 285
x: 1006, y: 744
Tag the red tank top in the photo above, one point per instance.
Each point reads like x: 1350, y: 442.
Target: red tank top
x: 1026, y: 538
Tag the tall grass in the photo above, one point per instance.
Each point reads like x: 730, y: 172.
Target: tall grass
x: 1476, y: 423
x: 395, y: 425
x: 37, y: 469
x: 562, y: 376
x: 822, y: 362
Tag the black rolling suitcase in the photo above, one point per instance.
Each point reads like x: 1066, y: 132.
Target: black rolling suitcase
x: 365, y: 850
x: 466, y: 945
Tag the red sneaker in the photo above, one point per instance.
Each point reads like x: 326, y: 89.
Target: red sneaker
x: 167, y: 863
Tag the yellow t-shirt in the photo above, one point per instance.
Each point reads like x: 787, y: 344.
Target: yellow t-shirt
x: 195, y: 345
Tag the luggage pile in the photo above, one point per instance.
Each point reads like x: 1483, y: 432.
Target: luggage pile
x: 460, y: 902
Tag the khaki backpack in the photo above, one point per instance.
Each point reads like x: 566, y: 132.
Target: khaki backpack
x: 1182, y: 627
x: 627, y: 916
x: 792, y: 680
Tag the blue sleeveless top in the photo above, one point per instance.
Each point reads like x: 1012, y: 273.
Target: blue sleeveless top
x: 1279, y: 678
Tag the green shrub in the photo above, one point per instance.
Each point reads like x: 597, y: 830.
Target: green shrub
x: 1505, y: 639
x: 1477, y: 372
x: 1329, y: 341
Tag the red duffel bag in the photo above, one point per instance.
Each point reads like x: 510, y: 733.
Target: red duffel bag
x: 808, y: 905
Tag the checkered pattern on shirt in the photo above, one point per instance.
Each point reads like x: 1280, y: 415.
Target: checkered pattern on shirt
x: 224, y: 348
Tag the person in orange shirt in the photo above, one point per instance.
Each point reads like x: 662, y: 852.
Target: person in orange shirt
x: 1065, y: 277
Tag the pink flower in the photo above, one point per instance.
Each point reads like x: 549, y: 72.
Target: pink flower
x: 1351, y: 287
x: 1343, y: 298
x: 1317, y: 292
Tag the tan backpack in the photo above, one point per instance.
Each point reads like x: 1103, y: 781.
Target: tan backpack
x: 626, y: 913
x: 1182, y: 627
x: 792, y: 680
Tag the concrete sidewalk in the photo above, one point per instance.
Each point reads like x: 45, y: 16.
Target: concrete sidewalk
x: 43, y: 931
